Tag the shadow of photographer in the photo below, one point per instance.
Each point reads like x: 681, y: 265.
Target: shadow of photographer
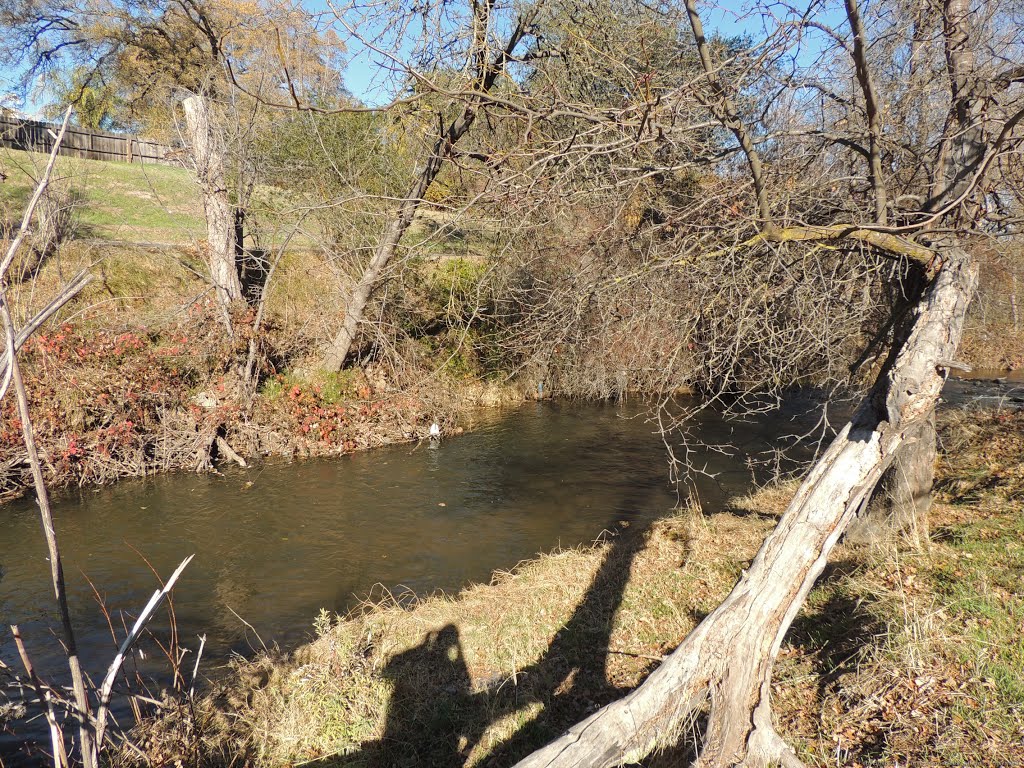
x: 435, y: 718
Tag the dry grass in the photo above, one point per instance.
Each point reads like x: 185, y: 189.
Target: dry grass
x: 993, y: 346
x: 992, y: 334
x: 482, y: 677
x: 914, y: 657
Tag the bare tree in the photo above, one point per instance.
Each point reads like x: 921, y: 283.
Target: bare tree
x: 722, y: 671
x: 487, y: 60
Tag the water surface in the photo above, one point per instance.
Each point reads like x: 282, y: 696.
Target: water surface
x: 276, y: 543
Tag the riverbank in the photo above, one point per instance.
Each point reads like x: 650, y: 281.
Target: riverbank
x: 133, y: 381
x: 898, y: 656
x: 138, y: 376
x: 111, y: 406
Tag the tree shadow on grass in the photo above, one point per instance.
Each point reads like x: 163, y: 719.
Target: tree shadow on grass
x: 571, y: 679
x: 436, y: 715
x: 834, y: 635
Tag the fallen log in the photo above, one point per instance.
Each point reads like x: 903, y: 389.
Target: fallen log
x: 722, y: 670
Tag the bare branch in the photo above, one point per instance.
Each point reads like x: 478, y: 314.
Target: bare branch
x: 871, y: 107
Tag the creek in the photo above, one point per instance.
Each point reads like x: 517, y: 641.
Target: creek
x: 277, y: 543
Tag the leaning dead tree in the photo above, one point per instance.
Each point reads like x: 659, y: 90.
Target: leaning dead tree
x: 487, y: 58
x: 924, y: 220
x: 724, y: 666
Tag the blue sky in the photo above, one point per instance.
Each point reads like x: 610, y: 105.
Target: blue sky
x: 363, y: 79
x: 368, y: 82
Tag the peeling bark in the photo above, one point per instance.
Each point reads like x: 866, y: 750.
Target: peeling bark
x: 724, y: 666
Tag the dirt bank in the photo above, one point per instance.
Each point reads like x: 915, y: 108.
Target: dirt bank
x: 139, y: 377
x: 112, y: 405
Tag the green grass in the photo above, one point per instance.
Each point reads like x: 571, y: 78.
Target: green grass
x: 329, y: 388
x: 116, y: 201
x: 161, y: 204
x: 980, y: 589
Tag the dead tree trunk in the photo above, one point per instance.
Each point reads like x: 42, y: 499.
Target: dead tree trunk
x: 487, y: 70
x: 337, y: 351
x: 898, y: 509
x: 901, y: 502
x: 724, y: 666
x: 207, y: 149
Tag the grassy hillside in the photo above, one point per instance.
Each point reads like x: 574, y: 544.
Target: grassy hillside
x: 155, y: 204
x: 115, y: 201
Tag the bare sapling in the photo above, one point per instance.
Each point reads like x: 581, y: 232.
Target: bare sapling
x: 87, y: 746
x: 92, y: 722
x: 487, y: 64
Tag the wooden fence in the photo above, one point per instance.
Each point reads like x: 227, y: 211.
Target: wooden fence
x: 34, y: 136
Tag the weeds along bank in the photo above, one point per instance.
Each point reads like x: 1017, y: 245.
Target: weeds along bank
x: 910, y: 659
x: 138, y: 376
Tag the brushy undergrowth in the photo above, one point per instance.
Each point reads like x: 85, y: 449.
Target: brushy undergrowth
x: 138, y: 375
x: 109, y: 404
x: 899, y: 657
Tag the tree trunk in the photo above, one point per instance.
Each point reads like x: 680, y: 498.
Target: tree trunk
x: 251, y: 264
x: 487, y: 71
x: 964, y: 144
x: 900, y: 504
x: 724, y: 666
x: 340, y: 346
x: 207, y: 150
